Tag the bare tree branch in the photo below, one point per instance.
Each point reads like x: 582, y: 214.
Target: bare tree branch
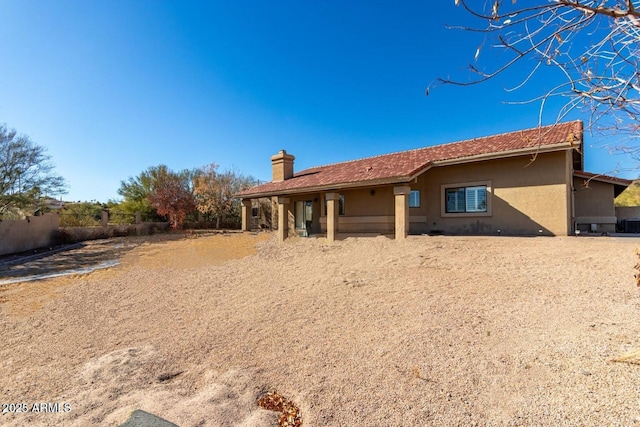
x: 595, y: 44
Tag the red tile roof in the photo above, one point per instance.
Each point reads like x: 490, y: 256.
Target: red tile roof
x: 405, y: 165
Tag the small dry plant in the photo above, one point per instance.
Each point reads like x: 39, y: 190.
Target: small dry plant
x: 637, y: 269
x: 417, y: 372
x: 632, y: 356
x: 290, y: 416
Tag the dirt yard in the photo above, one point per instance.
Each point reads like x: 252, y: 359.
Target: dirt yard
x: 440, y: 331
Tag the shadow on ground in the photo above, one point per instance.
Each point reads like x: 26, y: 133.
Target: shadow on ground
x: 78, y: 258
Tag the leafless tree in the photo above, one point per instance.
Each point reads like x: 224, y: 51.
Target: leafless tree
x: 595, y: 44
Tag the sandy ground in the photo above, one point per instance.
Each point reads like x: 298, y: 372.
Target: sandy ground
x: 435, y: 331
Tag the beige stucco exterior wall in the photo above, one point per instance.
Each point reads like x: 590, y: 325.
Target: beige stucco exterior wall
x: 525, y: 197
x: 593, y: 198
x: 594, y: 208
x: 363, y: 202
x: 366, y: 210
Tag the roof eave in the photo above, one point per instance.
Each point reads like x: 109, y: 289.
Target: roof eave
x: 329, y: 187
x: 603, y: 178
x: 420, y: 171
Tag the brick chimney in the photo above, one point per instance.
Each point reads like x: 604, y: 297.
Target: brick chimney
x: 282, y: 166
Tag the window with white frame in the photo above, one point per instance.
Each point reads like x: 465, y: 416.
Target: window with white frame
x: 466, y: 199
x: 414, y: 199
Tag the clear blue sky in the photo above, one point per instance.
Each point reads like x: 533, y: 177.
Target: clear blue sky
x: 113, y: 87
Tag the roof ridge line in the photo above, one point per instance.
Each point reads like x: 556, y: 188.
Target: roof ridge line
x: 438, y: 145
x: 507, y: 133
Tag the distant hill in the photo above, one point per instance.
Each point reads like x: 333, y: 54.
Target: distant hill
x: 630, y: 196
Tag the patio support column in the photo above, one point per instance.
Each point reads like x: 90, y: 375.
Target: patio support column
x: 246, y: 214
x: 332, y: 215
x: 274, y: 213
x: 283, y: 218
x: 401, y: 194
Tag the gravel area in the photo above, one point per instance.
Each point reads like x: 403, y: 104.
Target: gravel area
x: 442, y: 331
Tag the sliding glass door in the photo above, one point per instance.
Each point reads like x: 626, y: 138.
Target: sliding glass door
x: 304, y: 216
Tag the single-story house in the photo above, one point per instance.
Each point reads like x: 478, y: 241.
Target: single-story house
x: 528, y: 182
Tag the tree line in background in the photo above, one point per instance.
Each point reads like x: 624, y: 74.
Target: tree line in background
x: 28, y: 186
x: 196, y: 195
x: 203, y: 196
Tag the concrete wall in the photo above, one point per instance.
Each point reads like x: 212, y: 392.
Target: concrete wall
x: 31, y: 233
x: 42, y: 231
x: 79, y: 234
